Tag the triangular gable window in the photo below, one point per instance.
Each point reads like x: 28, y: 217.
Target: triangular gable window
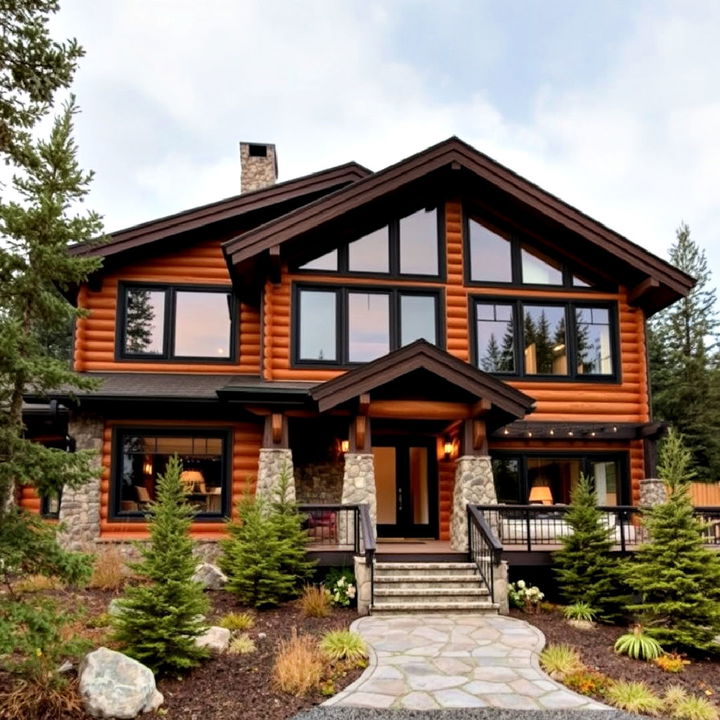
x: 539, y: 269
x: 329, y: 261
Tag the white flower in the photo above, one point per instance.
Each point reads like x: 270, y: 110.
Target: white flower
x: 521, y: 584
x: 340, y: 582
x: 351, y: 591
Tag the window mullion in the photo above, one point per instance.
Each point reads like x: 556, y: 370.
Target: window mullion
x: 169, y: 335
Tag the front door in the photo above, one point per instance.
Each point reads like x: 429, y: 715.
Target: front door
x: 406, y: 484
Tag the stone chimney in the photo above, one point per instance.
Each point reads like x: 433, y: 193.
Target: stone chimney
x: 258, y: 166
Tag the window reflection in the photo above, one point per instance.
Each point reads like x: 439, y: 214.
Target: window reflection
x: 490, y: 256
x: 144, y: 321
x: 495, y: 338
x: 545, y: 335
x: 594, y: 354
x: 508, y: 480
x: 418, y: 315
x: 368, y: 326
x: 318, y: 325
x: 539, y: 269
x: 202, y: 324
x: 329, y: 261
x: 419, y: 243
x: 370, y: 253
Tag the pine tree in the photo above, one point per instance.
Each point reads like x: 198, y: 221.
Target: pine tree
x: 584, y: 569
x: 252, y: 557
x: 289, y: 528
x: 676, y: 577
x: 160, y: 619
x: 684, y: 362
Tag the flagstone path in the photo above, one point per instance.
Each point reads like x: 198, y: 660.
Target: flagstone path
x: 425, y: 662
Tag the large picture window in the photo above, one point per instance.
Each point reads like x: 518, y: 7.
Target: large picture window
x: 170, y: 323
x: 407, y: 247
x: 140, y: 455
x: 346, y: 325
x: 550, y: 478
x: 529, y: 339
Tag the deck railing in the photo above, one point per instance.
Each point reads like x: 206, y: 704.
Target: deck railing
x: 483, y: 547
x: 542, y: 527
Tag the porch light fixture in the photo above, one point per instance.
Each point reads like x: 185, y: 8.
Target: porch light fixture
x: 344, y: 446
x: 448, y: 447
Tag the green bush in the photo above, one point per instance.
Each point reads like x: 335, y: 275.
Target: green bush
x: 161, y: 618
x: 340, y: 583
x: 580, y: 611
x: 638, y: 645
x: 343, y: 645
x: 634, y: 697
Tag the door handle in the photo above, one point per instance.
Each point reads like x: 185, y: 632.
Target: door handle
x: 400, y: 499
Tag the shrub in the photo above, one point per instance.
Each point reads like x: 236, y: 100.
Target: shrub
x: 160, y: 619
x: 634, y: 697
x: 638, y: 645
x: 671, y: 662
x: 341, y: 584
x: 99, y: 621
x: 237, y: 621
x: 34, y: 700
x: 674, y: 694
x: 587, y: 682
x: 675, y: 576
x: 241, y: 645
x: 343, y: 645
x: 315, y: 601
x: 108, y: 570
x: 36, y: 584
x: 523, y: 596
x: 560, y: 660
x: 693, y: 707
x: 298, y: 666
x: 585, y: 570
x: 579, y: 611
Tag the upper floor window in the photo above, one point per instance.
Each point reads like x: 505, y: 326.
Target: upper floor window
x: 549, y: 339
x: 342, y: 325
x: 496, y: 257
x: 408, y: 246
x: 170, y: 323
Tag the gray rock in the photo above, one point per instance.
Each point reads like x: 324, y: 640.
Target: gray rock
x: 113, y: 685
x: 114, y: 608
x: 214, y: 638
x: 210, y: 576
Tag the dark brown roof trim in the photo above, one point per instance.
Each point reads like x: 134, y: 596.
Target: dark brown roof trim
x: 421, y: 355
x: 438, y: 156
x: 149, y: 232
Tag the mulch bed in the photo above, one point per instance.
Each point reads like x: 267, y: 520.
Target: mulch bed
x: 701, y: 677
x: 230, y: 686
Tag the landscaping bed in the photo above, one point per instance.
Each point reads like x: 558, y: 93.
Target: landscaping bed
x: 227, y: 686
x: 700, y: 677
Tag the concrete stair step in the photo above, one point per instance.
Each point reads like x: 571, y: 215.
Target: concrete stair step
x: 425, y: 581
x: 424, y: 570
x: 425, y: 566
x: 379, y: 608
x: 430, y: 592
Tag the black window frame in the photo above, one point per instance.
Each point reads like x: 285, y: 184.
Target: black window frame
x: 115, y: 495
x: 343, y: 268
x: 622, y: 457
x: 45, y: 511
x: 517, y: 241
x: 342, y: 319
x: 171, y: 290
x: 570, y: 306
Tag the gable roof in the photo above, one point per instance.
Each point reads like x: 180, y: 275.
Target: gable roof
x: 147, y: 233
x: 665, y: 281
x: 507, y: 402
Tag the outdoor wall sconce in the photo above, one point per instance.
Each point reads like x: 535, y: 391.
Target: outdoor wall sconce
x: 344, y: 446
x: 448, y: 448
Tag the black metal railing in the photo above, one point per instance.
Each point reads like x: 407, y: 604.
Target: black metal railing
x: 484, y: 549
x: 332, y: 527
x: 542, y: 527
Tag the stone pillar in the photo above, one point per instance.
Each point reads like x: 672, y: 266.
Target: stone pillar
x: 500, y: 588
x: 80, y: 507
x: 358, y: 487
x: 363, y: 585
x: 271, y: 464
x: 652, y: 492
x: 474, y: 485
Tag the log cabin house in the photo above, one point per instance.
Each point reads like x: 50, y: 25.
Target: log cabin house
x: 438, y: 334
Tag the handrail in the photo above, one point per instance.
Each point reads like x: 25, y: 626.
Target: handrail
x: 484, y: 549
x: 368, y: 535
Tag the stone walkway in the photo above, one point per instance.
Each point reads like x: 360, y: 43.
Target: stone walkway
x: 426, y: 662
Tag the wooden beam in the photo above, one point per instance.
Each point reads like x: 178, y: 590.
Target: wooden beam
x: 275, y: 265
x: 275, y: 434
x: 360, y: 434
x: 481, y: 407
x: 474, y: 438
x: 364, y: 404
x: 636, y: 293
x: 419, y: 410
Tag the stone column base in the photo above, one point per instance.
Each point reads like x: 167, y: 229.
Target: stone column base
x: 474, y: 485
x: 358, y: 487
x: 363, y: 585
x: 652, y: 492
x: 272, y: 462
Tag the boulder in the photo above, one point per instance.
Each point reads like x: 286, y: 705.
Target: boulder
x: 114, y: 608
x: 215, y: 638
x: 210, y: 576
x: 112, y: 685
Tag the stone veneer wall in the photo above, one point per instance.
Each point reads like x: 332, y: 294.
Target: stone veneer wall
x: 80, y: 507
x: 358, y: 487
x: 652, y: 492
x: 271, y: 464
x: 474, y: 485
x: 320, y: 483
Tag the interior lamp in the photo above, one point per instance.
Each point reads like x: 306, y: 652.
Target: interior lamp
x: 192, y: 480
x: 540, y: 494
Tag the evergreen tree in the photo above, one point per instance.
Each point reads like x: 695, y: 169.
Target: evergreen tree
x: 584, y: 569
x: 491, y: 360
x: 675, y: 576
x: 685, y: 376
x: 160, y: 619
x: 252, y: 556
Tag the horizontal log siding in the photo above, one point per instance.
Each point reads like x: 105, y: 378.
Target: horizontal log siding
x: 203, y: 264
x: 576, y: 401
x: 28, y: 499
x: 634, y: 448
x: 446, y: 483
x: 246, y: 440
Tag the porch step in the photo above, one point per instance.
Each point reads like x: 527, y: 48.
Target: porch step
x: 417, y: 587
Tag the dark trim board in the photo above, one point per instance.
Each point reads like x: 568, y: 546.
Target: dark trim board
x: 542, y: 558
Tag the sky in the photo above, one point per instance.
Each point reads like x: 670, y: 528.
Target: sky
x: 613, y: 105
